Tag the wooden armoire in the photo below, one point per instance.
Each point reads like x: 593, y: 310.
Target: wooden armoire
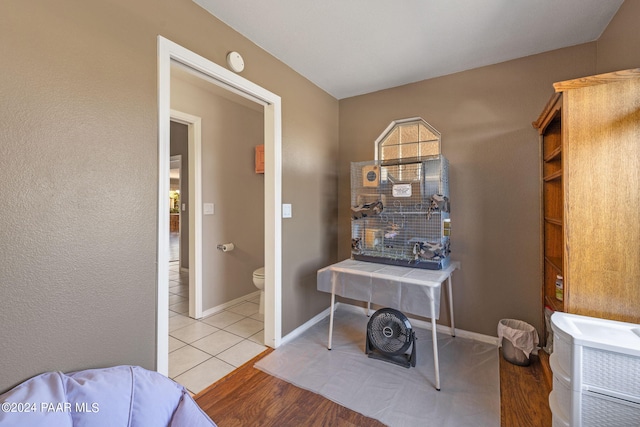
x: 590, y: 154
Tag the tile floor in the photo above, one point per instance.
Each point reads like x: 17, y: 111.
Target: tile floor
x: 203, y: 351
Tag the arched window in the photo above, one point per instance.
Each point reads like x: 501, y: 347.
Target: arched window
x: 406, y: 141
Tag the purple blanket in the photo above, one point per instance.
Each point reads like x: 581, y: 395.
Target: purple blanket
x: 127, y: 396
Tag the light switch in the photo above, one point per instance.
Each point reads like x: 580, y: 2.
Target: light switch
x: 184, y: 207
x: 209, y: 209
x: 286, y: 210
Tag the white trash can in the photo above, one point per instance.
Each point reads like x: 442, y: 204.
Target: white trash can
x: 518, y: 339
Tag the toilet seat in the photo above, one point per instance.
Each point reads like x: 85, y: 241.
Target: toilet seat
x: 259, y: 273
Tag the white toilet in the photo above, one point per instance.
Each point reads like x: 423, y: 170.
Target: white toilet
x: 258, y: 280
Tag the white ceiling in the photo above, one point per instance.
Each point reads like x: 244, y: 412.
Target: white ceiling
x: 352, y: 47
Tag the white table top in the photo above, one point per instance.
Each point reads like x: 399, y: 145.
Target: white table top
x: 406, y: 289
x: 417, y: 276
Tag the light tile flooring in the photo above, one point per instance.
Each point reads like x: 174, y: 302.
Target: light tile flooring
x: 203, y: 351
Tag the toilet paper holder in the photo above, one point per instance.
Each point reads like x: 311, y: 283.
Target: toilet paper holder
x: 226, y: 247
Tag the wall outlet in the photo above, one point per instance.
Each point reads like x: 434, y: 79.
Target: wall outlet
x: 209, y: 209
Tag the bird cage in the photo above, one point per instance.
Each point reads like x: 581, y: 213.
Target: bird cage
x: 400, y: 203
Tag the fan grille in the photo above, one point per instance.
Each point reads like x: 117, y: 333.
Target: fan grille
x: 389, y: 331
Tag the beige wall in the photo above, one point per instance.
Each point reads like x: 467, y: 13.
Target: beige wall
x: 619, y: 44
x: 78, y: 145
x: 485, y: 118
x: 79, y: 177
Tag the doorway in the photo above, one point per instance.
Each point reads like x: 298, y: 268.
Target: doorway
x: 193, y: 196
x: 176, y: 207
x: 169, y: 52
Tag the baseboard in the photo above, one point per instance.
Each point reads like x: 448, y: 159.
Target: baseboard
x: 309, y: 323
x: 226, y: 305
x: 418, y: 323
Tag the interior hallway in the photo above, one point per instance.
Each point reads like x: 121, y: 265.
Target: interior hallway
x: 203, y: 351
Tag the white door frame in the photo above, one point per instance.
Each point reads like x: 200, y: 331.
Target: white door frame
x: 194, y: 155
x: 169, y: 51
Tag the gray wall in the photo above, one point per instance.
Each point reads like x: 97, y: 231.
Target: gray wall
x: 79, y: 178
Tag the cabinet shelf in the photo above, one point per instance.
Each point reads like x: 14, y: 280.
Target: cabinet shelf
x: 556, y: 263
x: 554, y: 221
x: 553, y: 176
x: 554, y: 155
x: 553, y: 303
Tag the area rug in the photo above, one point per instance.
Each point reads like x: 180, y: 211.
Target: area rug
x: 394, y: 395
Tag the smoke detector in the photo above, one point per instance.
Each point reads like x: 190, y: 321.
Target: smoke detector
x: 235, y: 61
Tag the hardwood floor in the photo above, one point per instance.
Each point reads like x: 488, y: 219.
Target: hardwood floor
x: 250, y: 397
x: 524, y: 395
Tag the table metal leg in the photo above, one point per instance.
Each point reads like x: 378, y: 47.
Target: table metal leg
x: 434, y: 335
x: 453, y: 325
x: 333, y: 300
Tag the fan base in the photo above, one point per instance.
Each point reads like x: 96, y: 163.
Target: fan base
x: 398, y: 359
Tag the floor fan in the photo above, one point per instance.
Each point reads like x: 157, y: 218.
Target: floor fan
x: 389, y: 336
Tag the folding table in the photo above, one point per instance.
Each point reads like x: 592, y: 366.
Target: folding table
x: 410, y: 290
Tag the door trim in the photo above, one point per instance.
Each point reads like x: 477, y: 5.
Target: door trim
x: 194, y: 150
x: 169, y: 51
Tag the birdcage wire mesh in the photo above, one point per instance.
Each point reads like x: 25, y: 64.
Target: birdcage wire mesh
x: 398, y: 211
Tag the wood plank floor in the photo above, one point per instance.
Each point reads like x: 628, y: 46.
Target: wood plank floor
x: 250, y: 397
x: 524, y: 395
